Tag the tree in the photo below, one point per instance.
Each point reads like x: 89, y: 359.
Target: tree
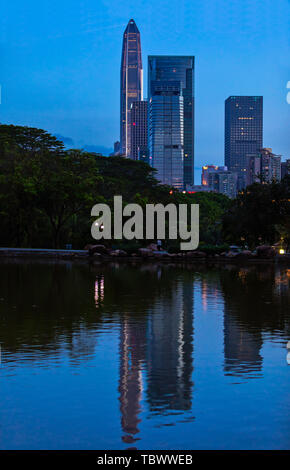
x: 47, y: 192
x: 257, y: 212
x: 42, y: 186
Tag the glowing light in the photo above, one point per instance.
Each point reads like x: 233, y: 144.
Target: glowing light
x: 282, y: 251
x: 99, y: 290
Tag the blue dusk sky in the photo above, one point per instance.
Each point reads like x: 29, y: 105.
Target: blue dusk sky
x: 60, y: 64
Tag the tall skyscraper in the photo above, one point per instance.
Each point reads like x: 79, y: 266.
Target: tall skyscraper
x: 243, y: 132
x: 166, y: 132
x: 131, y: 82
x: 171, y: 118
x: 138, y: 131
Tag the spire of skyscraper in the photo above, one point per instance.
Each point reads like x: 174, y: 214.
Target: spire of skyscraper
x: 131, y: 81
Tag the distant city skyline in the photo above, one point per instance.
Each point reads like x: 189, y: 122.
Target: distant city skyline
x: 60, y: 65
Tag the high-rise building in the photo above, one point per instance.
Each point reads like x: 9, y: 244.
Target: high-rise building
x: 274, y: 161
x: 131, y: 82
x: 263, y: 167
x: 224, y: 182
x: 227, y: 183
x: 243, y: 132
x: 171, y: 118
x: 285, y: 168
x: 116, y: 151
x: 253, y: 169
x: 206, y: 169
x: 166, y: 132
x: 138, y: 131
x: 219, y: 179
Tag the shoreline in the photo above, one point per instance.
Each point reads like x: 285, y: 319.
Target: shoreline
x: 77, y: 255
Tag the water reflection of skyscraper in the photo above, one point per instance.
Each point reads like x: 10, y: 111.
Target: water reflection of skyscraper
x: 157, y: 340
x: 169, y: 357
x: 132, y: 356
x: 99, y: 290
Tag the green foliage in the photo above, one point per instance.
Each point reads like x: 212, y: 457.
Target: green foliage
x: 212, y: 207
x: 47, y: 192
x: 260, y: 214
x: 43, y: 189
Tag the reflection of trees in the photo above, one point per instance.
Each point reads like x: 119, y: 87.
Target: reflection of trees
x: 252, y: 307
x: 46, y: 306
x: 251, y: 295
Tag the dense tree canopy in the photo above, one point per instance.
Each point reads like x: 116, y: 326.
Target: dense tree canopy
x: 260, y: 214
x: 47, y: 192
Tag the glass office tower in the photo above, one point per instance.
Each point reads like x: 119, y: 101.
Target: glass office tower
x: 171, y: 113
x: 131, y: 82
x: 166, y: 132
x: 243, y: 132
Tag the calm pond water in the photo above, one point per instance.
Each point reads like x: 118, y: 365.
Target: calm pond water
x: 146, y: 357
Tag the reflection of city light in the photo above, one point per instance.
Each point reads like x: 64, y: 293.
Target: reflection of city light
x: 204, y: 295
x: 99, y: 290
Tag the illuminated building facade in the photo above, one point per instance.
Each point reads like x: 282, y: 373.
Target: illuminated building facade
x: 263, y: 167
x: 166, y: 132
x: 131, y: 82
x: 138, y: 131
x: 243, y: 132
x: 171, y: 118
x: 206, y: 170
x: 224, y: 182
x: 219, y: 179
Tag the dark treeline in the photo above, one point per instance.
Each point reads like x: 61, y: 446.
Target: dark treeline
x: 47, y: 192
x: 260, y: 215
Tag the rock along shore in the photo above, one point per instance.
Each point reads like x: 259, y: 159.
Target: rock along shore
x: 101, y: 254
